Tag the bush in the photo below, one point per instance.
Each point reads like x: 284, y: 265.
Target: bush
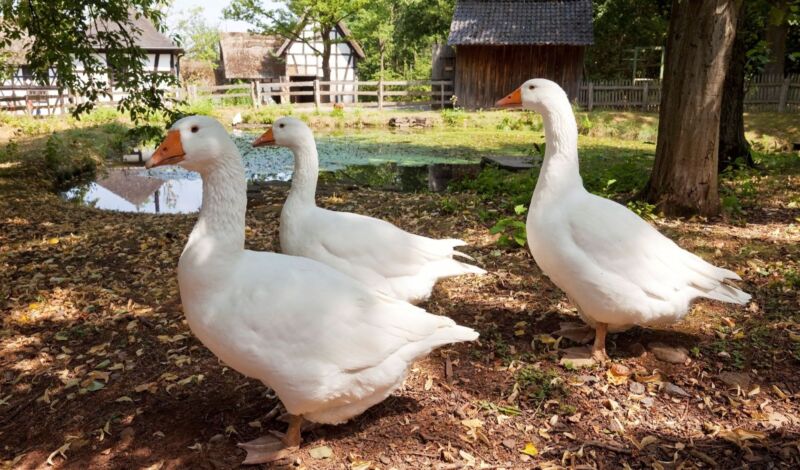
x: 67, y: 163
x: 101, y: 115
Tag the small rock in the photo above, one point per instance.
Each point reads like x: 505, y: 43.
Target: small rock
x: 620, y: 370
x: 636, y: 388
x: 509, y: 444
x: 321, y: 452
x: 588, y: 378
x: 577, y: 357
x: 127, y: 433
x: 673, y: 389
x: 647, y: 402
x: 668, y: 353
x: 637, y: 350
x: 736, y: 379
x: 216, y: 438
x: 385, y: 460
x: 577, y: 332
x: 777, y: 419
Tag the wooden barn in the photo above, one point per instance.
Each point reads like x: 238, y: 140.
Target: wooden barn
x: 501, y: 43
x: 247, y: 56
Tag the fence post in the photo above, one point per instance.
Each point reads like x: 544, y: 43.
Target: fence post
x: 784, y: 95
x: 645, y: 95
x: 316, y: 93
x: 254, y: 94
x: 380, y: 93
x: 591, y: 95
x: 285, y: 90
x: 192, y: 92
x: 441, y: 94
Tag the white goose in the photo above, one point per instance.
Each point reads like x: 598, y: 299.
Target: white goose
x: 377, y: 253
x: 329, y: 347
x: 616, y: 268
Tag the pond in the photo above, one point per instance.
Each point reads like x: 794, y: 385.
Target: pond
x: 342, y: 159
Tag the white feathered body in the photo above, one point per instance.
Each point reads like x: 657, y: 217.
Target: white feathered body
x: 375, y: 252
x: 328, y: 347
x: 613, y: 265
x: 616, y: 267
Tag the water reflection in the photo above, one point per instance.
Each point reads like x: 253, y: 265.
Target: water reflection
x: 170, y: 190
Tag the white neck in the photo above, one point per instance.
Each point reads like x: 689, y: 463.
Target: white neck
x: 306, y: 172
x: 560, y: 166
x: 221, y: 223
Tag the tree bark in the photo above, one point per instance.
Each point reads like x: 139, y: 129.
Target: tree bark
x: 776, y: 39
x: 684, y: 177
x: 326, y: 62
x: 734, y: 150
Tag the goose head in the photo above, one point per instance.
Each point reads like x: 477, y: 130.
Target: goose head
x: 197, y: 143
x: 538, y: 94
x: 286, y: 132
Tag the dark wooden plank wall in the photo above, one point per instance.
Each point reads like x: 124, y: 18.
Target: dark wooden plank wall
x: 484, y: 74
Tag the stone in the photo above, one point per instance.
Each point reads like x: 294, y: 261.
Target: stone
x: 669, y: 354
x: 636, y: 388
x: 578, y: 357
x: 647, y: 402
x: 735, y: 379
x: 577, y: 332
x: 216, y: 439
x: 674, y: 390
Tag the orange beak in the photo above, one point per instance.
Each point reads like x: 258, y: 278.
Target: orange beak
x: 513, y: 99
x: 266, y: 139
x: 169, y: 152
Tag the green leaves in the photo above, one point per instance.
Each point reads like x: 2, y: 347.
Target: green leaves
x: 62, y: 39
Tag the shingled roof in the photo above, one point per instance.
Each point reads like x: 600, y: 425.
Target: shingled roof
x: 522, y: 22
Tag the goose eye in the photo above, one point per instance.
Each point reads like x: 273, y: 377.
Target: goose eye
x: 532, y: 87
x: 281, y: 125
x: 195, y: 129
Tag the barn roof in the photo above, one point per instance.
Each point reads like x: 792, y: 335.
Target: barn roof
x: 249, y: 56
x: 522, y: 22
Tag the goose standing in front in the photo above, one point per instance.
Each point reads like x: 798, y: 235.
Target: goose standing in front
x: 616, y: 268
x: 326, y: 344
x: 377, y: 253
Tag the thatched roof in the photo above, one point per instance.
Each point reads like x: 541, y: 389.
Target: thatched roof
x: 249, y: 56
x: 522, y: 22
x: 149, y: 39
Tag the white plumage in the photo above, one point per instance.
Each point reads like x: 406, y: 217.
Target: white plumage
x: 616, y: 268
x: 377, y: 253
x: 327, y: 345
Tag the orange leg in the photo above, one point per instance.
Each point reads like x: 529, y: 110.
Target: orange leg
x: 599, y: 349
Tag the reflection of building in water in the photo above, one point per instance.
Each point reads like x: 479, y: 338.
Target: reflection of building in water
x: 170, y: 195
x: 134, y: 188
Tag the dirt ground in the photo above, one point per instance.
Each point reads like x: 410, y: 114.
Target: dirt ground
x: 99, y: 370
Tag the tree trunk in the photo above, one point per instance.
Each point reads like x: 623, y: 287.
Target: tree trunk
x: 326, y: 62
x: 684, y: 177
x: 734, y: 150
x: 777, y: 30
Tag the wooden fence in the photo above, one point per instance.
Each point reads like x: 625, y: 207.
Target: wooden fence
x: 764, y: 93
x: 433, y: 93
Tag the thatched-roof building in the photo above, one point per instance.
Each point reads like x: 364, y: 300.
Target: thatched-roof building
x: 501, y: 43
x: 247, y: 56
x: 19, y: 92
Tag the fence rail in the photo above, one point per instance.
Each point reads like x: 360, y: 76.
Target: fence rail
x: 364, y: 93
x: 763, y: 93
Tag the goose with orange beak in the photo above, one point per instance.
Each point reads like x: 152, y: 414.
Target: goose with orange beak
x: 616, y: 268
x: 375, y: 252
x: 327, y: 345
